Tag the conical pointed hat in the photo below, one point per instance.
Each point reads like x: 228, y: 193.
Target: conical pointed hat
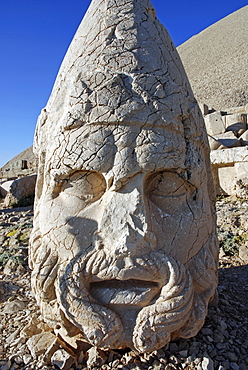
x: 121, y: 68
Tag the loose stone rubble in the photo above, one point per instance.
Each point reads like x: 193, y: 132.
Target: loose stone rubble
x: 221, y: 344
x: 124, y: 248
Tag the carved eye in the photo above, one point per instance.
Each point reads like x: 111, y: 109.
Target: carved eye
x: 168, y: 191
x: 84, y: 185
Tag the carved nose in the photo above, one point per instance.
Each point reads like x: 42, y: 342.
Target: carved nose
x: 125, y: 223
x: 135, y: 241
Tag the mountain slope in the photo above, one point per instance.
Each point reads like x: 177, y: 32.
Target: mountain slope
x: 216, y: 61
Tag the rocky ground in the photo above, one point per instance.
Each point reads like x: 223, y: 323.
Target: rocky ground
x: 27, y: 343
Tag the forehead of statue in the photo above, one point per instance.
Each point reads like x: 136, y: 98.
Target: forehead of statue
x: 119, y: 150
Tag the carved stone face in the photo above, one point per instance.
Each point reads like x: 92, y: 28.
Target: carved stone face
x: 124, y: 248
x: 123, y: 245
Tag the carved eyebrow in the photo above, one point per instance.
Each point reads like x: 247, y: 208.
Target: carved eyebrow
x: 117, y: 182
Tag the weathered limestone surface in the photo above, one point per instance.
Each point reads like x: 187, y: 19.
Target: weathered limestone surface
x: 244, y: 137
x: 239, y: 120
x: 229, y: 164
x: 226, y: 140
x: 123, y: 250
x: 19, y: 189
x: 229, y: 156
x: 214, y: 123
x: 5, y: 188
x: 230, y: 171
x: 226, y: 129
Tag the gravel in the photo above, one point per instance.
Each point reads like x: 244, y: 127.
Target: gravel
x: 221, y: 344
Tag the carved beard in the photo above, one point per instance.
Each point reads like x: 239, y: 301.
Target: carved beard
x: 178, y: 310
x: 104, y: 329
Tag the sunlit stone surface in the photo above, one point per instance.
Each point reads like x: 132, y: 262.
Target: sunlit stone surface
x: 124, y: 249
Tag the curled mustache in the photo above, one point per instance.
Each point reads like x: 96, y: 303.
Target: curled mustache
x: 175, y: 312
x: 101, y: 326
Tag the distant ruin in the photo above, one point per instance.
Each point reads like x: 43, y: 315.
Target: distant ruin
x: 228, y: 139
x: 23, y: 164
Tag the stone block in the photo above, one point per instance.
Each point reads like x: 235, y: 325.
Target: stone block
x: 10, y: 266
x: 230, y: 169
x: 231, y: 119
x: 96, y: 358
x: 227, y: 140
x: 62, y: 360
x: 225, y: 157
x: 204, y: 109
x: 3, y: 192
x: 214, y: 124
x: 39, y: 343
x: 244, y: 138
x: 243, y: 253
x: 5, y: 188
x: 225, y: 180
x: 235, y: 110
x: 35, y: 326
x: 214, y: 144
x: 236, y: 123
x: 13, y: 307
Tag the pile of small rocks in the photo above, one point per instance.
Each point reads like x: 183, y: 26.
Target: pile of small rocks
x: 232, y: 227
x: 27, y: 343
x: 15, y: 229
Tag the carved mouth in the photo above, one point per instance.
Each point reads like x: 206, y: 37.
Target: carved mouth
x: 124, y: 292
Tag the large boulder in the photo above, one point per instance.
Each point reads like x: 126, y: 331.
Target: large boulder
x: 21, y: 191
x: 5, y: 188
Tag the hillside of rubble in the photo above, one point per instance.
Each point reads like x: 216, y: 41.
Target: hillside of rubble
x: 216, y: 62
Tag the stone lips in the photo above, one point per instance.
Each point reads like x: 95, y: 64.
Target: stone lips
x: 114, y: 85
x: 175, y: 298
x: 131, y: 291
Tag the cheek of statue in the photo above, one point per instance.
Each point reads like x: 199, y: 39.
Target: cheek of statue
x: 179, y: 212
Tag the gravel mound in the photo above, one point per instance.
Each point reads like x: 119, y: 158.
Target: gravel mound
x: 216, y: 62
x: 221, y: 344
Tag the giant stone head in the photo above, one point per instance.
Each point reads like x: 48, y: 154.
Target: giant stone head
x: 124, y: 249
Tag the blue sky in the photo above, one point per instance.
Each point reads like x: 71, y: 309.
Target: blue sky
x: 34, y: 36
